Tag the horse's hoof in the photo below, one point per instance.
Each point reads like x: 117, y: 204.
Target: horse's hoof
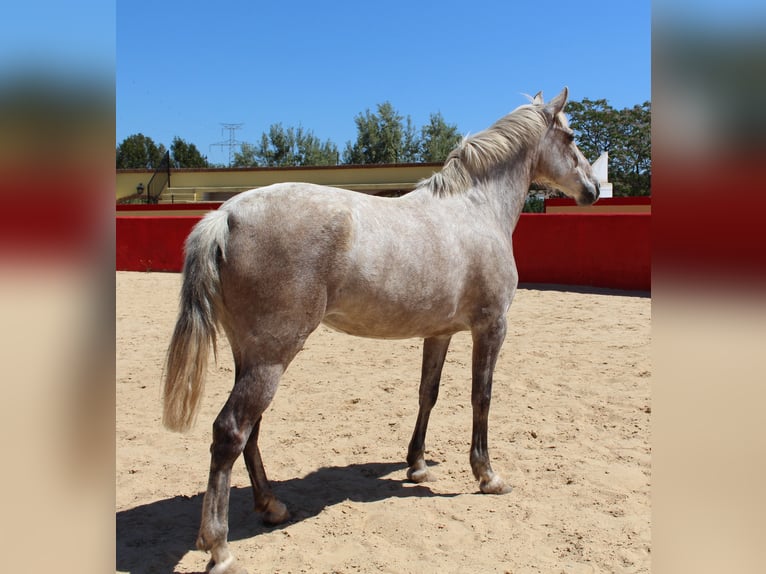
x: 276, y: 513
x: 418, y: 475
x: 495, y: 485
x: 228, y: 566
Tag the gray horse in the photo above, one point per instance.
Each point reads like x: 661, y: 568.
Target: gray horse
x: 271, y: 264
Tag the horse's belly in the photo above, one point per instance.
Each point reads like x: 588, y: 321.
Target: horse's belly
x: 394, y: 325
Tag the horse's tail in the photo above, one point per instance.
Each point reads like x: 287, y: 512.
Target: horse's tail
x: 198, y: 318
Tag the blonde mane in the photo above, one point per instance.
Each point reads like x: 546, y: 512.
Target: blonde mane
x: 475, y: 156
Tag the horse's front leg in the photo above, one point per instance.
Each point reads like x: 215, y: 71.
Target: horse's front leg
x: 486, y: 347
x: 434, y: 353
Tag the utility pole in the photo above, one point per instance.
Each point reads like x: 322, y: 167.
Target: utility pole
x: 232, y: 142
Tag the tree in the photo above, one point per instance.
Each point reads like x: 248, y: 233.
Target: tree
x: 287, y: 147
x: 139, y: 152
x: 410, y: 144
x: 247, y: 156
x: 595, y: 123
x: 382, y: 138
x: 534, y: 204
x: 312, y: 151
x: 625, y: 134
x: 437, y: 139
x: 186, y: 154
x: 632, y: 162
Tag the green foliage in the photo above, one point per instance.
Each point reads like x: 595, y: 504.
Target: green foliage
x: 625, y: 134
x: 381, y: 138
x: 287, y: 147
x: 389, y: 137
x: 534, y: 204
x: 410, y: 144
x: 632, y: 163
x: 186, y: 154
x: 595, y: 123
x: 247, y: 156
x: 437, y: 139
x: 139, y: 152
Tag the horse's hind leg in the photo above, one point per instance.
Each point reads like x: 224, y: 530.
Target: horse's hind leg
x: 253, y: 390
x: 274, y: 511
x: 434, y: 353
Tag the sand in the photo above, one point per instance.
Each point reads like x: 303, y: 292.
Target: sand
x: 569, y: 429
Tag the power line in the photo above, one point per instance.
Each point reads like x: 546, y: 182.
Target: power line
x: 232, y: 142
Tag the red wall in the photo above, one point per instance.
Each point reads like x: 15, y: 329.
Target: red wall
x: 599, y: 250
x: 148, y: 208
x: 146, y: 243
x: 630, y: 201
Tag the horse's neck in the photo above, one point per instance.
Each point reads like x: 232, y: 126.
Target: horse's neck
x: 506, y: 189
x: 502, y: 192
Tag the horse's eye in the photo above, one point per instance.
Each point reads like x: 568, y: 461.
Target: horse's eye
x: 570, y: 136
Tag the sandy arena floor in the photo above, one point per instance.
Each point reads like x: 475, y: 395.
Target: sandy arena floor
x: 569, y: 429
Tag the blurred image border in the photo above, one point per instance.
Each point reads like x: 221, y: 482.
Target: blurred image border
x: 708, y: 286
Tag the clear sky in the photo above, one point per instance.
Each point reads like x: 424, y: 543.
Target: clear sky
x: 63, y: 39
x: 184, y: 68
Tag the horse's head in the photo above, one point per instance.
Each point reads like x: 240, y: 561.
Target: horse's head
x: 560, y: 163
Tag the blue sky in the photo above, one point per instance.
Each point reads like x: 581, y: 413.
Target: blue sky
x: 74, y: 38
x: 184, y: 68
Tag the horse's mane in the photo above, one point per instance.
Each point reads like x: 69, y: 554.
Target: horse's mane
x: 478, y: 154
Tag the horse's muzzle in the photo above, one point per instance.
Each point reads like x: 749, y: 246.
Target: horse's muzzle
x: 589, y: 194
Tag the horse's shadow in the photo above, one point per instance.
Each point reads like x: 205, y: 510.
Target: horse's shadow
x: 155, y: 536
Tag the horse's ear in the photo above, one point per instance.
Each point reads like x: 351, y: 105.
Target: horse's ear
x: 538, y: 99
x: 557, y: 104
